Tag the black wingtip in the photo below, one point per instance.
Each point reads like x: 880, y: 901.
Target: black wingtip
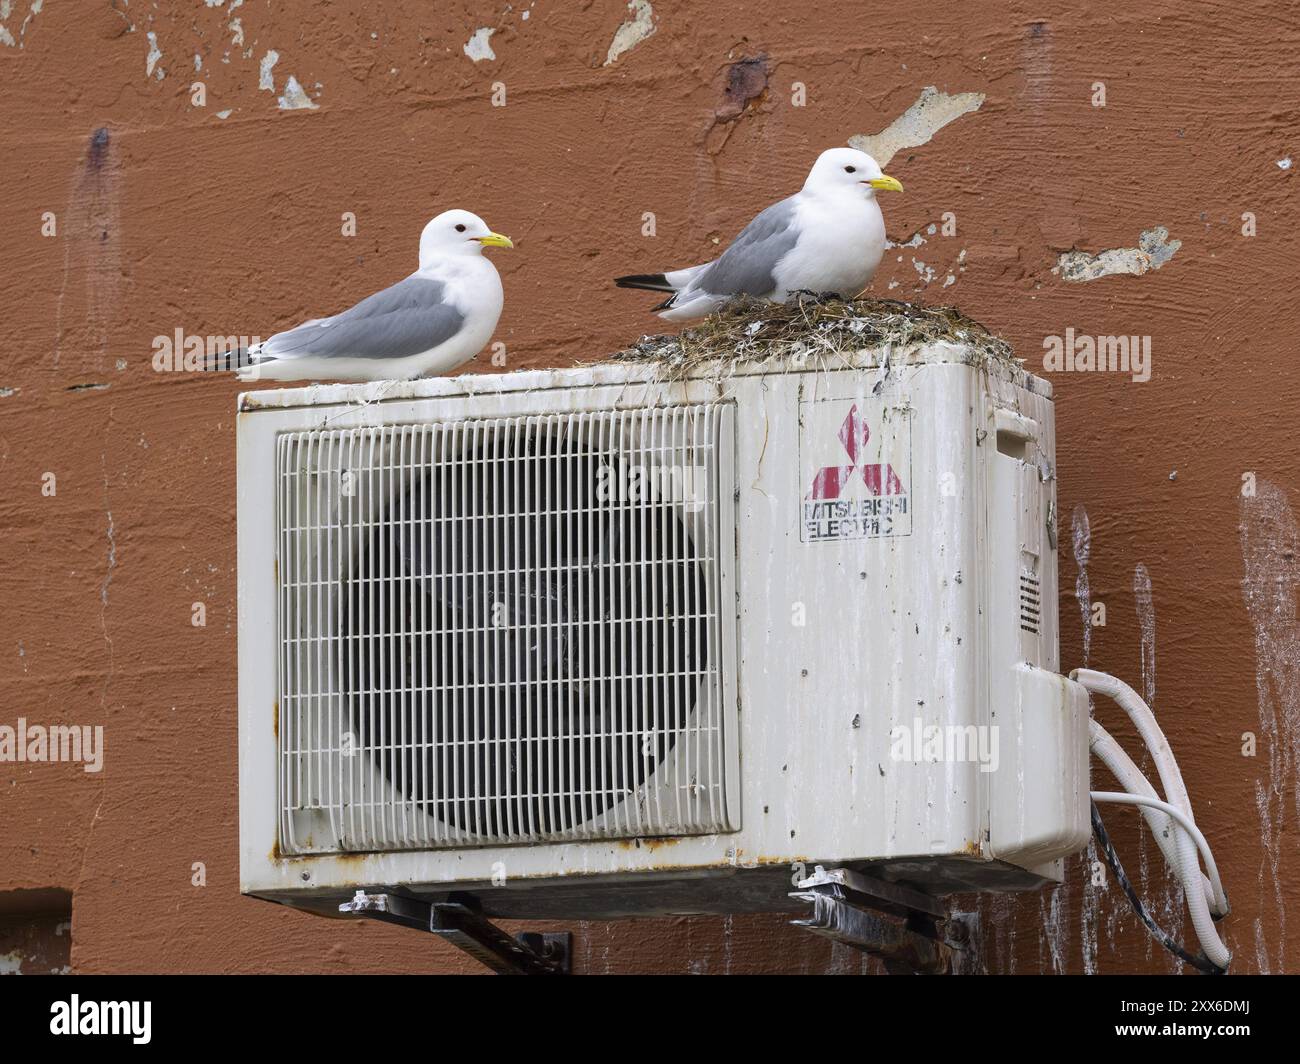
x: 227, y: 361
x: 652, y: 282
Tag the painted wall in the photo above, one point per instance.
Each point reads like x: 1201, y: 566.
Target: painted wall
x: 117, y: 481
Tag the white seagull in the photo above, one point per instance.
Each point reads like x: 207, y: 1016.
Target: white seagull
x: 439, y: 317
x: 828, y: 237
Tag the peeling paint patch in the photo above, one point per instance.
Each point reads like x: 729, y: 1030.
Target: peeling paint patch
x: 6, y: 9
x: 295, y: 98
x: 479, y: 46
x: 636, y: 29
x: 5, y: 393
x: 1153, y: 251
x: 151, y: 60
x: 223, y: 115
x: 265, y: 79
x: 746, y: 83
x: 932, y: 111
x: 914, y: 241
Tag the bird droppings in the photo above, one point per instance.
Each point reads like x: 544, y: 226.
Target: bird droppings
x: 479, y: 46
x: 1153, y: 251
x: 265, y: 79
x: 1284, y: 164
x: 932, y: 111
x: 295, y: 98
x: 633, y: 31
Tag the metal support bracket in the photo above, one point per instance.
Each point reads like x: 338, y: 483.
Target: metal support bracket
x: 458, y: 921
x: 903, y: 927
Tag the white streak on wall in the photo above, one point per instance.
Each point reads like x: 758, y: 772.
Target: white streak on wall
x: 1153, y: 251
x: 932, y: 111
x: 1081, y: 538
x: 1169, y: 907
x: 1146, y: 613
x: 632, y: 32
x: 1270, y: 553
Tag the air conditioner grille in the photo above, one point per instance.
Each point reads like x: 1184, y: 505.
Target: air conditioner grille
x: 502, y: 630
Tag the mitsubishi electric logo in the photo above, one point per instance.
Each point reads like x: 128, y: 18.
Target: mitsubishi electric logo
x: 868, y: 496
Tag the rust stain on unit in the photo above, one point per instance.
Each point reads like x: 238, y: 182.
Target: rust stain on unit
x: 647, y: 843
x: 162, y: 224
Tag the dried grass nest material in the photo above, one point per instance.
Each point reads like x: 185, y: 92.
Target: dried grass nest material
x: 816, y: 329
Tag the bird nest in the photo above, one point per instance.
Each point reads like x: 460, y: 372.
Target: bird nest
x: 811, y: 329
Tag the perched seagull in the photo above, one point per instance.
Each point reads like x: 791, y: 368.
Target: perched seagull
x: 431, y: 322
x: 828, y: 237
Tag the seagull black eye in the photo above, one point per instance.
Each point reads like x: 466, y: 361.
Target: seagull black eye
x: 850, y: 169
x: 460, y: 228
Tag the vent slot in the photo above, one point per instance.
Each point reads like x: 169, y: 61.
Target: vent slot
x: 504, y: 630
x: 1030, y: 604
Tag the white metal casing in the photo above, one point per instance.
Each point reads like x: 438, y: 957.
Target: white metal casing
x: 893, y: 572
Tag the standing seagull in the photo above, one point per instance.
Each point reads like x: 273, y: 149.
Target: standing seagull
x: 828, y: 237
x: 429, y: 323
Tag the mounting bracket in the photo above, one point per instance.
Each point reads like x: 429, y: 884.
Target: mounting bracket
x: 459, y: 922
x: 903, y: 927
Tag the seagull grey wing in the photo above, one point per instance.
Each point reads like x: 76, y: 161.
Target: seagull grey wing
x: 409, y: 318
x: 748, y: 266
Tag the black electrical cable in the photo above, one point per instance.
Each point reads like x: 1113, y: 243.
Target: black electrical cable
x: 1198, y: 961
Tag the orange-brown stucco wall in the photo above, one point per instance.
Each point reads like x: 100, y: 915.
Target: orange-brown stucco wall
x: 1181, y: 492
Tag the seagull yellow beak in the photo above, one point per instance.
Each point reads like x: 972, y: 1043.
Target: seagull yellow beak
x: 496, y: 240
x: 885, y: 183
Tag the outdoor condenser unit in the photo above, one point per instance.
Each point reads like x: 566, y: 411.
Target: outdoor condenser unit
x: 592, y: 643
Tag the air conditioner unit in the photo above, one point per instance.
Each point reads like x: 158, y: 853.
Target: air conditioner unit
x: 593, y: 643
